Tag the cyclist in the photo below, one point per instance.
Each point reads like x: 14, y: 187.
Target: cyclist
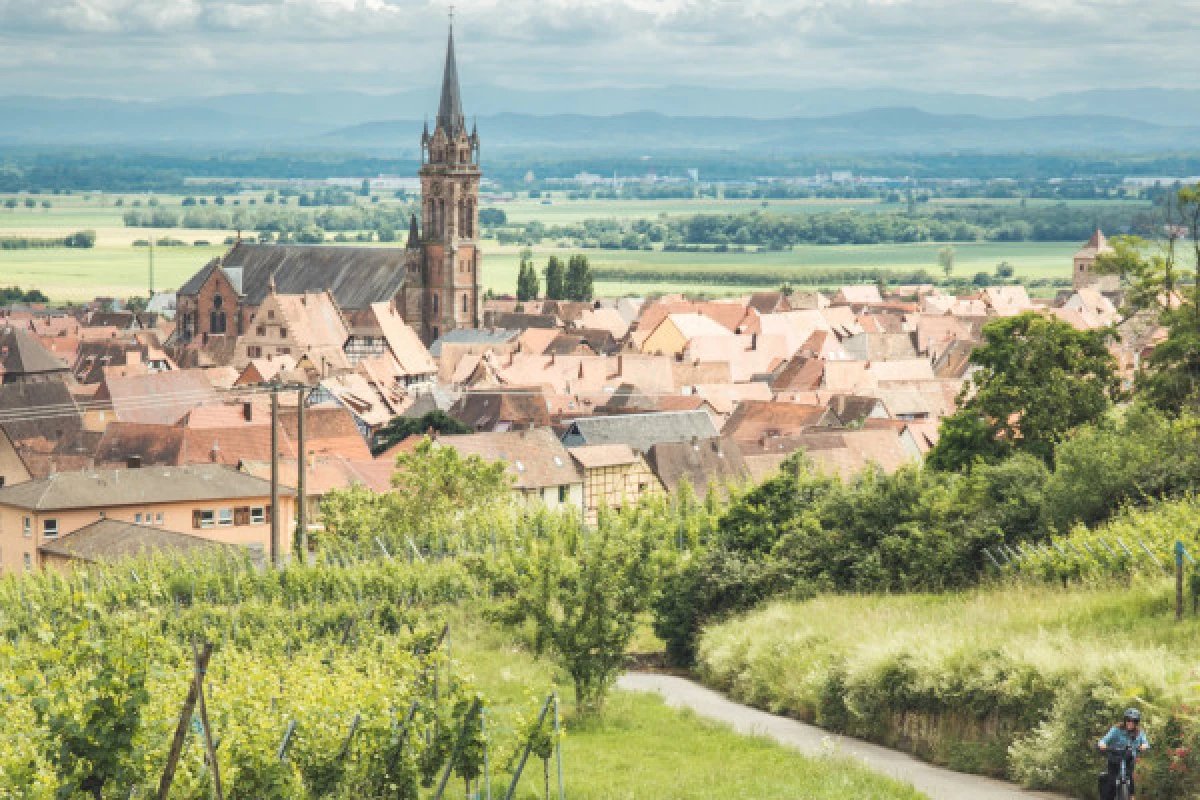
x: 1127, y: 736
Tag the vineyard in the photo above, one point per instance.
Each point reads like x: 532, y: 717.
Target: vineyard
x: 334, y: 680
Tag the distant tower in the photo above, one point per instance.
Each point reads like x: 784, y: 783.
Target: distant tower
x: 441, y: 292
x: 1084, y: 275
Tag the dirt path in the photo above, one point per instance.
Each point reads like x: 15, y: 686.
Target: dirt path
x: 938, y: 783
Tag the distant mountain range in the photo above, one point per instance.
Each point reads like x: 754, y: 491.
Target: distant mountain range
x: 679, y: 118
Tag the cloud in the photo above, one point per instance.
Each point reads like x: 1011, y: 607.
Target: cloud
x: 177, y: 47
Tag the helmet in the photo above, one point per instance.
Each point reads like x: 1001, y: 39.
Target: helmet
x: 1133, y: 715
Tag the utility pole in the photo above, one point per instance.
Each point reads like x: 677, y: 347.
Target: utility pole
x: 301, y: 477
x: 275, y: 477
x: 152, y: 263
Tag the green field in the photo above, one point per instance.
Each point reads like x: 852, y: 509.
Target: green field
x: 115, y: 267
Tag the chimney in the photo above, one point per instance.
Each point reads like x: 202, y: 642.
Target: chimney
x: 754, y: 341
x: 215, y: 453
x: 133, y: 357
x: 247, y: 411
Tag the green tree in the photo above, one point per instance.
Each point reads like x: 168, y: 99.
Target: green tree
x: 400, y: 428
x: 1038, y: 380
x: 946, y: 257
x: 1005, y: 270
x: 578, y: 285
x: 584, y: 595
x: 527, y: 279
x: 555, y: 279
x: 436, y: 484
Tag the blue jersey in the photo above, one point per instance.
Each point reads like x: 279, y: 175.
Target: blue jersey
x: 1118, y: 739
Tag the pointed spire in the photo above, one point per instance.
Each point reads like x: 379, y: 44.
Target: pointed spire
x: 271, y: 283
x: 450, y: 114
x: 414, y: 235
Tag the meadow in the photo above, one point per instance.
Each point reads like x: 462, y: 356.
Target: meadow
x: 116, y: 267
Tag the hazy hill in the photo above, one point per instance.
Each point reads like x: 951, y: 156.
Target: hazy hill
x: 620, y: 119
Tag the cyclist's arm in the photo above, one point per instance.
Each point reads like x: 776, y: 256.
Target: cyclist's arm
x: 1142, y: 743
x: 1107, y: 741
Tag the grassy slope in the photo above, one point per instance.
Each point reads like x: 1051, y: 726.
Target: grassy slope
x: 115, y: 267
x: 642, y: 749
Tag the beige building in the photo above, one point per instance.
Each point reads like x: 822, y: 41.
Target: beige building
x: 613, y: 475
x: 671, y: 336
x: 296, y: 325
x: 541, y: 468
x: 211, y: 501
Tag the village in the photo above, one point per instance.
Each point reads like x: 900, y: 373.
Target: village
x: 120, y: 434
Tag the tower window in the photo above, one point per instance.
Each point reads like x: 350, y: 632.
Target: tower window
x: 464, y: 303
x: 435, y: 304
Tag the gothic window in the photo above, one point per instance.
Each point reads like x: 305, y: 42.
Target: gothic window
x: 464, y: 303
x: 218, y: 301
x: 435, y: 304
x: 216, y: 322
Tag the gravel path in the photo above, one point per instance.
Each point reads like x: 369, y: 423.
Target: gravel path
x: 938, y: 783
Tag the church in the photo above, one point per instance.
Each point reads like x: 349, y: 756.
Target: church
x: 433, y: 281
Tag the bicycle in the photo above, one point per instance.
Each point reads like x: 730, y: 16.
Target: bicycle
x: 1122, y: 787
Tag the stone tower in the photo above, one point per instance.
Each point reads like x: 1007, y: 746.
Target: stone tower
x: 441, y: 291
x: 1084, y: 275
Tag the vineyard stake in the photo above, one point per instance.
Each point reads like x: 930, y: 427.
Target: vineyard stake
x: 287, y: 740
x: 185, y: 716
x: 198, y: 679
x: 1178, y: 581
x: 558, y: 746
x: 512, y: 787
x: 458, y: 744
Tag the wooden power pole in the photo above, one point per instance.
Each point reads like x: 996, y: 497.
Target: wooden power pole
x: 301, y: 478
x: 274, y: 477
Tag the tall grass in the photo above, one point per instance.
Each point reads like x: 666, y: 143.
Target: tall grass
x: 1011, y: 681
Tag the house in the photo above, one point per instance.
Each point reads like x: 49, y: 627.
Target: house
x: 44, y: 427
x: 109, y: 541
x: 325, y: 474
x: 613, y: 475
x: 299, y: 325
x: 640, y: 431
x: 756, y: 420
x: 541, y: 468
x: 24, y: 359
x: 513, y: 408
x: 857, y: 295
x: 673, y: 334
x: 1006, y: 301
x: 390, y: 335
x: 211, y: 501
x: 711, y: 463
x: 160, y: 397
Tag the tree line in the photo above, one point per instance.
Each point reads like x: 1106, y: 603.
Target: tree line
x: 572, y: 281
x: 79, y: 239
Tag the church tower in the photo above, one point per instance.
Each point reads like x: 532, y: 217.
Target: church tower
x: 442, y: 289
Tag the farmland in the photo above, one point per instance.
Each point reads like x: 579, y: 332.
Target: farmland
x: 116, y: 267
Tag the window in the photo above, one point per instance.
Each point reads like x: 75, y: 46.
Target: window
x: 254, y: 352
x: 158, y: 518
x: 261, y: 330
x: 204, y: 519
x: 283, y: 333
x: 50, y: 528
x: 225, y: 517
x: 258, y: 515
x: 137, y: 518
x: 285, y: 351
x: 435, y: 304
x: 28, y: 528
x: 464, y: 303
x: 29, y: 562
x: 241, y: 516
x: 562, y: 494
x: 218, y: 301
x: 270, y: 315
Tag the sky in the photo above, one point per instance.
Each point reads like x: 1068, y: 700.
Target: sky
x: 153, y: 49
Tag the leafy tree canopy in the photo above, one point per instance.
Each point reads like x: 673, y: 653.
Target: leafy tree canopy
x: 1038, y: 379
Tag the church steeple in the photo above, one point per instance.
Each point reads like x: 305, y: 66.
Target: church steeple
x: 414, y: 235
x: 450, y: 114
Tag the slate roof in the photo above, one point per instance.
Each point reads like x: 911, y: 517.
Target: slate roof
x: 22, y: 354
x: 640, y: 431
x: 450, y: 113
x: 109, y: 540
x: 512, y: 407
x: 356, y: 276
x: 495, y: 336
x: 99, y: 489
